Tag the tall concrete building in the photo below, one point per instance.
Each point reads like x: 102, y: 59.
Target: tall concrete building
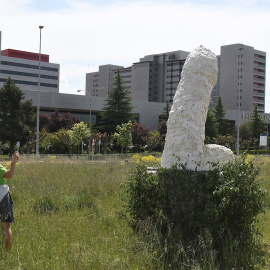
x: 242, y: 77
x: 155, y: 77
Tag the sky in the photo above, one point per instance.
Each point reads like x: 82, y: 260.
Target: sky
x: 80, y: 35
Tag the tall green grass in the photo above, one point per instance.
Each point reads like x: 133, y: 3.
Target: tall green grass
x: 68, y: 215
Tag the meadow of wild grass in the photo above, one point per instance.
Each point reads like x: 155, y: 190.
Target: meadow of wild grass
x: 69, y: 215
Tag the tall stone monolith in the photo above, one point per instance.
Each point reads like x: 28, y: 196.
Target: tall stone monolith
x: 186, y: 124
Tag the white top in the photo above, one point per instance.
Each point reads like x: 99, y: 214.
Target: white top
x: 4, y: 189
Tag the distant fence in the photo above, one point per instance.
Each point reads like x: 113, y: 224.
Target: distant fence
x: 82, y: 157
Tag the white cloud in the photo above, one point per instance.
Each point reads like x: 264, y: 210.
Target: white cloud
x: 88, y: 34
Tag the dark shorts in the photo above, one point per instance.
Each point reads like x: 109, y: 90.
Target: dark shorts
x: 6, y: 209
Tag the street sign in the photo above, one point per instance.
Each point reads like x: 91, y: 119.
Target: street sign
x: 263, y: 140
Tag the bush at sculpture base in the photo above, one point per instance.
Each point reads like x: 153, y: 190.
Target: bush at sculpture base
x: 196, y: 218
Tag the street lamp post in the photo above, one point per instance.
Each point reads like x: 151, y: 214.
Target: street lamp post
x: 90, y: 113
x: 38, y: 99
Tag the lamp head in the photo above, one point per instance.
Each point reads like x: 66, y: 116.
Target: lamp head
x: 41, y: 27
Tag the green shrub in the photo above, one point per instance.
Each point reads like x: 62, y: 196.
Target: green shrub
x: 187, y: 208
x: 254, y: 152
x: 106, y: 150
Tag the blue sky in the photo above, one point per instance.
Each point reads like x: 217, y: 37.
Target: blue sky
x: 81, y: 35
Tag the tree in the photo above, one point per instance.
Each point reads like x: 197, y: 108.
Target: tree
x: 107, y: 140
x: 44, y: 121
x: 166, y: 111
x: 257, y: 124
x: 51, y: 144
x: 245, y: 132
x: 162, y: 128
x: 220, y: 112
x: 123, y: 137
x: 56, y: 120
x: 226, y: 140
x: 138, y: 131
x: 118, y: 107
x: 211, y: 129
x: 154, y: 141
x: 65, y: 137
x: 16, y: 116
x: 79, y: 133
x: 31, y: 140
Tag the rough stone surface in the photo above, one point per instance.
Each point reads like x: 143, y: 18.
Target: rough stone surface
x: 186, y: 124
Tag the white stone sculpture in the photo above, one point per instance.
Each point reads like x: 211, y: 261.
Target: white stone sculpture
x: 186, y: 124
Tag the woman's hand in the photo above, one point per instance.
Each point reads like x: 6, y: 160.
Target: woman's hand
x: 15, y: 157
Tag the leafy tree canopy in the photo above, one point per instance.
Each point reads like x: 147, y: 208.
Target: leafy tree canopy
x: 16, y: 116
x: 139, y: 131
x: 56, y: 120
x: 80, y: 132
x: 123, y: 135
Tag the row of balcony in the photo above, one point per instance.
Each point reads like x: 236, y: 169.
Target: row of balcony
x: 258, y: 94
x: 259, y: 66
x: 259, y: 87
x: 259, y: 80
x: 259, y: 73
x: 259, y: 59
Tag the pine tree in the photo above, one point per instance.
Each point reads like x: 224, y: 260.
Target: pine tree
x: 118, y: 107
x: 16, y: 117
x: 222, y: 123
x: 211, y: 129
x: 257, y: 124
x: 166, y: 111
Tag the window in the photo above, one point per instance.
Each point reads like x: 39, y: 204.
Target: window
x: 35, y: 75
x: 7, y: 63
x: 32, y: 83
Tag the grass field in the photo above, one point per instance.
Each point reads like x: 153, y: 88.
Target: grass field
x: 69, y: 215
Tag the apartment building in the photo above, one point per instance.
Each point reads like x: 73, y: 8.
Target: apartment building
x: 242, y: 77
